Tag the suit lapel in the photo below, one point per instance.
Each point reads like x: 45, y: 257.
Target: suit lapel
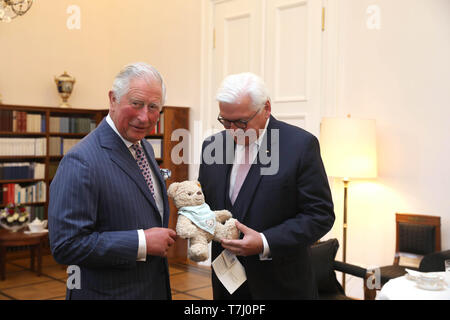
x: 223, y: 170
x: 122, y: 157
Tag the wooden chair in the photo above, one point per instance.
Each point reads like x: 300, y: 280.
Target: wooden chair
x: 416, y: 236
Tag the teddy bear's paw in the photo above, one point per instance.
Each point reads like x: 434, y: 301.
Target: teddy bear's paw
x: 198, y: 252
x: 222, y: 215
x: 231, y: 230
x: 226, y: 231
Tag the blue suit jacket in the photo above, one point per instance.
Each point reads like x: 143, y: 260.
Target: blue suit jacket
x: 293, y: 208
x: 98, y: 201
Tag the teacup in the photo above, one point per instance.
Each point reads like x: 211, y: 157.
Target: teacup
x: 430, y: 281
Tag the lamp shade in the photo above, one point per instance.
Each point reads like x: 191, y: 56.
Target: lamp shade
x: 348, y: 147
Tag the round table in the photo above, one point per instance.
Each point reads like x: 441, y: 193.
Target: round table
x: 17, y: 239
x: 402, y: 288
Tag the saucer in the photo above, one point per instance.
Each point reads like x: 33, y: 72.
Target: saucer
x: 440, y: 285
x: 31, y: 232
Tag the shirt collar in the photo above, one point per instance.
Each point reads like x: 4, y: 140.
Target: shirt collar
x: 113, y: 126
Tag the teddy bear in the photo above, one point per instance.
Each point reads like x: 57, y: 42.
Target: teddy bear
x: 197, y: 222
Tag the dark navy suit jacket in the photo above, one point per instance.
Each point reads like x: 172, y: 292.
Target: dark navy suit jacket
x: 98, y: 201
x: 293, y: 208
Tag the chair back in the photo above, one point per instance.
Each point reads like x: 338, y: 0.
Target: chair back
x: 322, y: 256
x: 417, y: 234
x: 434, y: 262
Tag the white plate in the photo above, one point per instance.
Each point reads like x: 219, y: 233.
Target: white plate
x: 30, y: 232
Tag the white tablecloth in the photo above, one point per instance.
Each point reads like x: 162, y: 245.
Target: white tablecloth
x: 403, y: 289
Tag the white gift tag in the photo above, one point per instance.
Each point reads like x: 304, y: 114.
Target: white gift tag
x: 229, y: 271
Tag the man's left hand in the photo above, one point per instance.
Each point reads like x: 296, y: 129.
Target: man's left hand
x: 251, y: 244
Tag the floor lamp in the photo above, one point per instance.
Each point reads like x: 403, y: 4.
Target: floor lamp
x: 349, y: 152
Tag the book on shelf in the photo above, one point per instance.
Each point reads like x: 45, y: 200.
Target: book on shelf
x: 23, y: 146
x: 36, y: 212
x: 21, y: 121
x: 6, y: 117
x: 34, y: 122
x: 15, y: 193
x: 22, y: 170
x: 67, y: 144
x: 71, y: 125
x: 60, y: 146
x: 3, y: 191
x: 159, y: 127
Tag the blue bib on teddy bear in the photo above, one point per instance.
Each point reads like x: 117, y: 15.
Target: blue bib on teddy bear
x: 202, y: 216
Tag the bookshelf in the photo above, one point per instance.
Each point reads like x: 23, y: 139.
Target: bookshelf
x: 40, y: 136
x: 25, y: 158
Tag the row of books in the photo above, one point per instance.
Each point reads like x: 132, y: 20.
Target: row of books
x: 71, y: 125
x: 36, y: 212
x: 23, y: 146
x: 21, y: 121
x: 159, y: 127
x: 22, y: 170
x: 60, y: 146
x: 15, y: 193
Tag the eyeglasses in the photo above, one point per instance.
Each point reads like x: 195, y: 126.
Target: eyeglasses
x: 241, y: 124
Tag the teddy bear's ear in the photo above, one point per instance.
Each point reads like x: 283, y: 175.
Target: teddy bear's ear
x: 173, y: 189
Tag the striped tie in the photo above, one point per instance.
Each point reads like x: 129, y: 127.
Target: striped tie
x: 143, y: 164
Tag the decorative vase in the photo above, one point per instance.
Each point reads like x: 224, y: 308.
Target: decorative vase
x: 64, y: 84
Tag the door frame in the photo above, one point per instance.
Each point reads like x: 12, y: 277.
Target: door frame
x: 329, y: 97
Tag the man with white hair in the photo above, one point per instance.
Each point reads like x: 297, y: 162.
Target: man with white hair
x: 108, y: 210
x: 274, y: 184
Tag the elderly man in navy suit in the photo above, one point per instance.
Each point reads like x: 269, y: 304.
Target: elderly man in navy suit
x: 270, y: 175
x: 108, y: 210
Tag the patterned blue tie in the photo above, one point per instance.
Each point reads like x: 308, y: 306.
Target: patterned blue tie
x: 143, y: 164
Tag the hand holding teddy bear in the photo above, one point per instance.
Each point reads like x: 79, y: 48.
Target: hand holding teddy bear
x: 197, y: 222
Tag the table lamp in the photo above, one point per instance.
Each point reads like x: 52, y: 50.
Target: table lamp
x: 348, y: 148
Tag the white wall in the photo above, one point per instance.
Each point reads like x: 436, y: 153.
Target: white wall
x: 398, y: 75
x: 112, y: 33
x: 39, y: 46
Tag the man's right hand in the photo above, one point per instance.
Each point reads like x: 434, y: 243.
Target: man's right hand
x: 159, y: 240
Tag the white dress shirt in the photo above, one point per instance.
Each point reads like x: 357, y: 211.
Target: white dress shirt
x: 142, y: 249
x: 239, y: 154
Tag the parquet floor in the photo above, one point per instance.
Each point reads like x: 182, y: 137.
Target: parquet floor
x: 188, y: 282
